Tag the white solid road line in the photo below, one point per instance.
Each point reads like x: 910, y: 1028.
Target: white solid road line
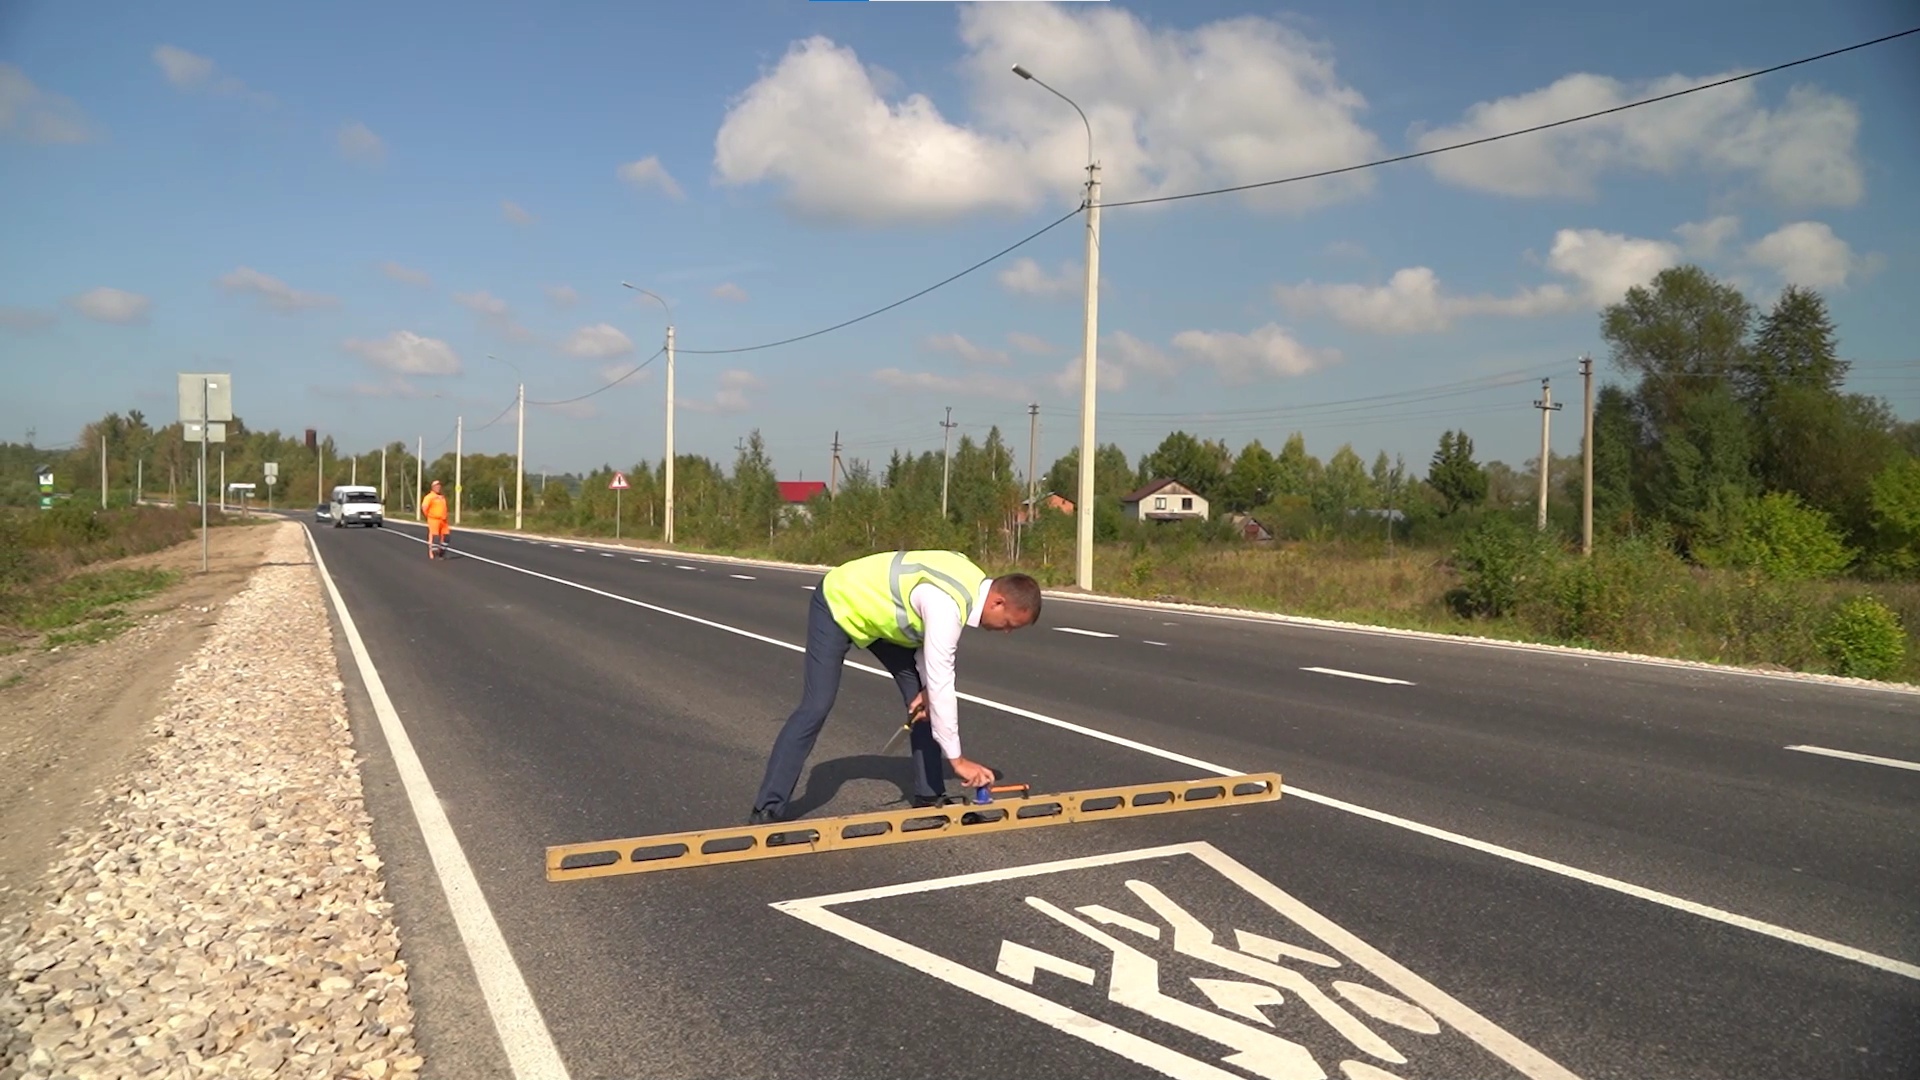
x: 1084, y: 633
x: 1894, y: 763
x: 1831, y: 948
x: 523, y: 1032
x: 743, y: 577
x: 1357, y: 675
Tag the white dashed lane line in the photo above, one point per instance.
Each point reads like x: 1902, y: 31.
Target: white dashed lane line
x: 1357, y: 675
x: 1892, y: 763
x: 744, y: 577
x: 1162, y: 644
x: 1084, y: 633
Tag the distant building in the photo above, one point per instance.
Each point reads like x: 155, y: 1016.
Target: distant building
x: 796, y: 494
x: 1165, y: 500
x: 1250, y: 529
x: 1049, y: 501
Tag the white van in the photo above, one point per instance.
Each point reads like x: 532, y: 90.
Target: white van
x: 355, y: 505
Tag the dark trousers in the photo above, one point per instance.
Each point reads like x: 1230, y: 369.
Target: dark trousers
x: 827, y: 647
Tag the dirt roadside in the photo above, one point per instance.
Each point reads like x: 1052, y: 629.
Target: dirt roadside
x: 73, y: 719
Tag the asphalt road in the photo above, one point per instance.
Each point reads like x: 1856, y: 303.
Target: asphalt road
x: 1503, y: 863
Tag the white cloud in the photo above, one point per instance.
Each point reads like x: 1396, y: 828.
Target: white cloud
x: 182, y: 68
x: 407, y: 353
x: 563, y: 296
x: 968, y: 352
x: 357, y: 142
x: 727, y: 290
x: 613, y: 373
x: 515, y: 213
x: 649, y: 173
x: 1600, y: 266
x: 1801, y: 152
x: 1706, y: 239
x: 483, y: 303
x: 731, y: 397
x: 978, y: 384
x: 1031, y: 343
x: 597, y: 342
x: 1806, y: 253
x: 26, y: 319
x: 393, y: 387
x: 190, y: 71
x: 273, y: 292
x: 112, y: 305
x: 1028, y: 278
x: 406, y: 275
x: 35, y: 115
x: 1234, y: 101
x: 1241, y: 358
x: 1122, y: 356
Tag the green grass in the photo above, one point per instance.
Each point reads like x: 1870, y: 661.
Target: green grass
x: 86, y: 608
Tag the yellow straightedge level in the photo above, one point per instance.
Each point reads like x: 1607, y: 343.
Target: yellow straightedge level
x: 672, y: 851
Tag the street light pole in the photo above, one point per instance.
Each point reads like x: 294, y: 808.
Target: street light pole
x: 1083, y: 546
x: 519, y: 441
x: 667, y: 524
x: 459, y: 423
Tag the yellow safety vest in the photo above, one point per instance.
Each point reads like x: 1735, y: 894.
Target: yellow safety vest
x: 868, y: 596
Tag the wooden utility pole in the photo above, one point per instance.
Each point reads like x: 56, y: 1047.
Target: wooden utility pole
x: 1547, y: 408
x: 946, y: 453
x: 1586, y: 496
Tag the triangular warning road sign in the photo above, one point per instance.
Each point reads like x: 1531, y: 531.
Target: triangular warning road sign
x: 619, y: 482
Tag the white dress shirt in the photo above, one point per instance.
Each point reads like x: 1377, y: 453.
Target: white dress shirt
x: 941, y: 618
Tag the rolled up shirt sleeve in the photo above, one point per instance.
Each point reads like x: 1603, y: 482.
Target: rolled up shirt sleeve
x: 942, y: 620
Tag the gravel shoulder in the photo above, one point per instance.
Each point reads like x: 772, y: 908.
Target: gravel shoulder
x: 74, y: 719
x: 223, y: 913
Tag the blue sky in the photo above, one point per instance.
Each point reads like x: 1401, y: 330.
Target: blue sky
x: 350, y: 207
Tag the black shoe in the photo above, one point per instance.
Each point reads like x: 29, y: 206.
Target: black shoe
x: 764, y: 817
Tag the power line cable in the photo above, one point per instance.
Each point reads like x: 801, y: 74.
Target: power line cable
x: 496, y: 419
x: 636, y: 370
x: 1009, y: 249
x: 1478, y: 384
x: 1512, y: 134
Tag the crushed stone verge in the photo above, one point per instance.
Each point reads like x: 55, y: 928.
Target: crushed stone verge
x: 227, y: 917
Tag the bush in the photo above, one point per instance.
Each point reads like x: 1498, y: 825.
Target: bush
x: 1621, y: 596
x: 1863, y: 638
x: 1499, y: 562
x: 1786, y: 540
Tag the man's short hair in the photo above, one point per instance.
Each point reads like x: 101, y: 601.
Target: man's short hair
x: 1021, y: 593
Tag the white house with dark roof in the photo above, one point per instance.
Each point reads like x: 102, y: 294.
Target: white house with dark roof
x: 1165, y: 500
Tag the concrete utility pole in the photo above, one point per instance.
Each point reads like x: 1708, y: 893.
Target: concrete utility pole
x: 1547, y: 409
x: 833, y: 469
x: 139, y: 480
x: 383, y: 477
x: 1090, y: 366
x: 666, y: 530
x: 419, y: 472
x: 319, y: 472
x: 1586, y: 496
x: 223, y: 479
x: 459, y: 423
x: 520, y: 457
x: 103, y: 467
x: 946, y: 469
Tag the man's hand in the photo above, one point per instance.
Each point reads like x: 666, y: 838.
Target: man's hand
x: 917, y: 709
x: 972, y: 773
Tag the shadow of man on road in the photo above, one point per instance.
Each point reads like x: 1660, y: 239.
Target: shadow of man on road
x: 826, y: 779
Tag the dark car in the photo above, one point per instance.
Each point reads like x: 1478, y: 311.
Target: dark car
x: 322, y: 513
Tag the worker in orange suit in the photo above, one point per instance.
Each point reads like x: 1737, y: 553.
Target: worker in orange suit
x: 434, y: 509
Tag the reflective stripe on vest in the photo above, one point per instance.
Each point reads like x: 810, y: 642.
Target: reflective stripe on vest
x: 854, y: 593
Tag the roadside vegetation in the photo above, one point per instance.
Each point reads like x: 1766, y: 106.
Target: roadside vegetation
x: 1749, y: 507
x: 46, y: 592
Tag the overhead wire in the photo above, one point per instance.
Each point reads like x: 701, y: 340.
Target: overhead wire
x: 1484, y: 140
x: 608, y: 386
x: 1008, y: 250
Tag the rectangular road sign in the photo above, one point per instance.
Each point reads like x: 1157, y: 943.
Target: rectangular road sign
x: 213, y: 390
x: 272, y: 469
x: 191, y: 431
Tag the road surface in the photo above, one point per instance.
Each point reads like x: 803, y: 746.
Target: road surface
x: 1488, y: 862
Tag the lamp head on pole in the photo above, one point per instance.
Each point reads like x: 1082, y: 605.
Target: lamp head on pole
x: 1022, y: 72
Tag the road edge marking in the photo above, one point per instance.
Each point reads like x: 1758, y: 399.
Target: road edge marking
x: 1357, y: 675
x: 529, y: 1046
x: 1638, y: 892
